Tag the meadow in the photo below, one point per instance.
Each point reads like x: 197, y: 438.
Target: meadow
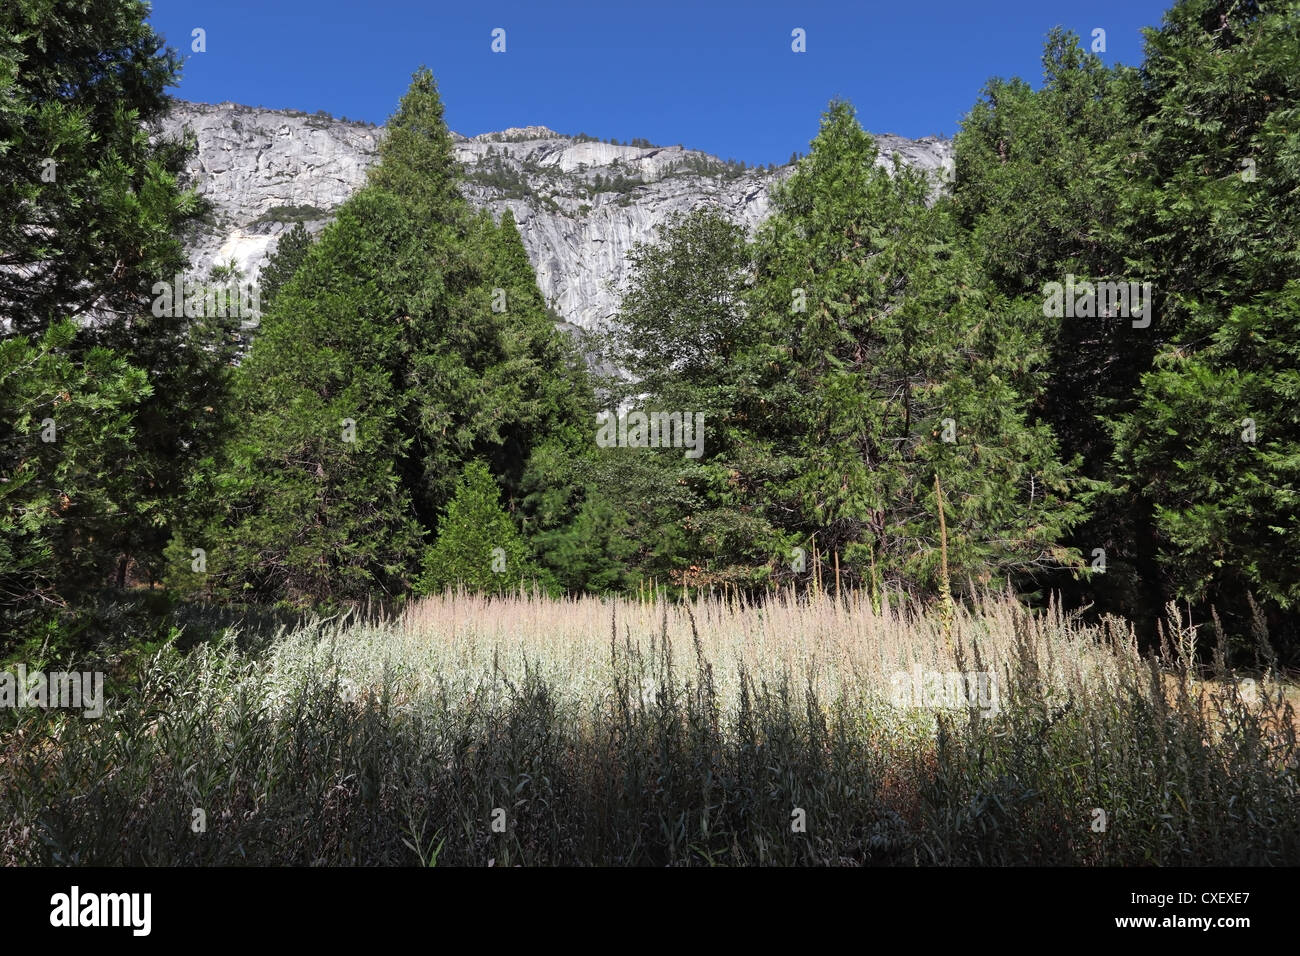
x: 802, y: 730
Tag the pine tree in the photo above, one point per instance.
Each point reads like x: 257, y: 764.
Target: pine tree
x: 888, y: 360
x: 1214, y: 207
x: 1215, y: 447
x: 1215, y: 203
x: 583, y: 533
x: 313, y: 510
x: 478, y: 546
x: 1041, y: 185
x: 1181, y: 173
x: 539, y: 379
x: 90, y: 211
x: 322, y: 485
x: 67, y: 423
x: 421, y: 325
x: 281, y: 265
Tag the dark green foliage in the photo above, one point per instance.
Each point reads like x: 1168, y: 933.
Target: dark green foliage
x: 281, y: 265
x: 539, y: 380
x: 872, y: 340
x: 313, y: 506
x: 58, y: 495
x: 88, y: 235
x: 506, y: 181
x: 1215, y: 211
x: 681, y: 319
x: 1041, y: 178
x: 683, y: 335
x: 593, y: 552
x: 78, y: 81
x: 1033, y: 181
x: 892, y: 361
x: 1215, y: 447
x: 478, y: 546
x: 409, y: 419
x: 421, y: 325
x: 830, y: 381
x: 1217, y: 198
x: 1182, y: 173
x: 617, y: 183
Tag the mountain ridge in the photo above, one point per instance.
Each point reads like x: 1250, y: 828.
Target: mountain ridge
x: 580, y: 203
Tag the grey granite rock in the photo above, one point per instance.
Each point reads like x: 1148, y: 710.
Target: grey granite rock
x: 265, y: 169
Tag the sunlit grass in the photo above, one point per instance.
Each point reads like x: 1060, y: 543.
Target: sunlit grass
x: 647, y: 732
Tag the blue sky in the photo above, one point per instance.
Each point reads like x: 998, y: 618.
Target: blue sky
x: 717, y: 76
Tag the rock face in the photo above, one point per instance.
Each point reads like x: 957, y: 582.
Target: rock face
x: 580, y: 204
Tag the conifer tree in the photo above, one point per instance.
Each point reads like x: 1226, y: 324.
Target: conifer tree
x: 889, y: 360
x: 313, y: 507
x: 68, y: 421
x: 1214, y: 208
x: 1215, y: 197
x: 478, y: 546
x: 538, y: 377
x: 420, y: 325
x: 281, y: 265
x: 90, y: 213
x: 1040, y: 185
x: 1182, y: 173
x: 1215, y: 446
x: 90, y: 209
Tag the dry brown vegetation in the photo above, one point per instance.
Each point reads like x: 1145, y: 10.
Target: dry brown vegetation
x: 650, y: 732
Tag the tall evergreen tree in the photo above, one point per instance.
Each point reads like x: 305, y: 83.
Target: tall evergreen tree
x: 890, y: 362
x: 1214, y: 211
x: 1041, y: 185
x: 478, y: 546
x: 538, y: 383
x: 67, y: 423
x: 281, y: 265
x: 314, y: 509
x: 1215, y: 203
x: 1181, y: 173
x: 421, y: 325
x: 90, y: 211
x: 1215, y: 446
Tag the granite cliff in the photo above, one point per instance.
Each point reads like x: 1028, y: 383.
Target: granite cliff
x: 581, y: 204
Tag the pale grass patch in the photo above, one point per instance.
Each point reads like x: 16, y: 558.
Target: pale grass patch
x: 462, y: 643
x: 621, y: 731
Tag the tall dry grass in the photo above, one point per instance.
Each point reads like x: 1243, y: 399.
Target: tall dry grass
x: 529, y: 730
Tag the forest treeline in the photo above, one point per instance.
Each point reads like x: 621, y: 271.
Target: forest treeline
x: 1081, y: 353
